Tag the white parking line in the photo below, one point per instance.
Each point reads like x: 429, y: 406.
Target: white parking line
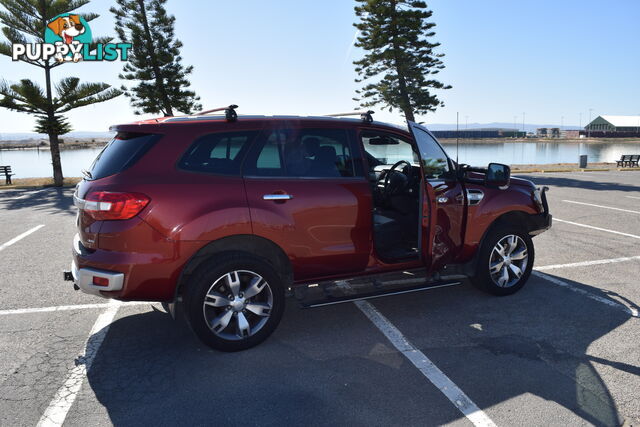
x: 603, y: 207
x: 20, y: 237
x: 587, y: 263
x: 426, y: 366
x: 629, y: 310
x: 633, y: 197
x: 57, y: 410
x: 596, y: 228
x: 66, y: 308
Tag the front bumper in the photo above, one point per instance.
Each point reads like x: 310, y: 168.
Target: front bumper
x: 539, y: 223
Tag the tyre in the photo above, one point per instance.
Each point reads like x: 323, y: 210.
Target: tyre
x: 504, y: 262
x: 234, y: 301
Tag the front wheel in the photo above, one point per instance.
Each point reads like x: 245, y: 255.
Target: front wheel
x: 234, y: 302
x: 505, y: 262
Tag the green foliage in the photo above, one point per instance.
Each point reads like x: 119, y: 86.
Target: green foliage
x: 401, y: 60
x: 24, y: 21
x: 155, y: 61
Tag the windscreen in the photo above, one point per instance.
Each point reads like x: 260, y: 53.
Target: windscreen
x: 121, y: 153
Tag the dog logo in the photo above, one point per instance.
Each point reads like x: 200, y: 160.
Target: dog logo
x: 67, y: 38
x: 70, y: 30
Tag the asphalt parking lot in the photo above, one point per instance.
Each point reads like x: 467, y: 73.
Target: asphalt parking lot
x: 564, y: 350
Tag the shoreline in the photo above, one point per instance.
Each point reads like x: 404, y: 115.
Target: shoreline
x: 80, y: 143
x: 43, y: 144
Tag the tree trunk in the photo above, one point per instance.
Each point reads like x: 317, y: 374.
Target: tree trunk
x: 159, y: 78
x: 54, y: 143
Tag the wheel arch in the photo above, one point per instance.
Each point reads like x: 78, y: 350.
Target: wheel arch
x: 514, y: 218
x: 244, y: 243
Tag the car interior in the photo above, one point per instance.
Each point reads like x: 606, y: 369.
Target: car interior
x: 394, y: 174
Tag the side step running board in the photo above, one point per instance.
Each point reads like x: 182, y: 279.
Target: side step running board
x: 377, y: 294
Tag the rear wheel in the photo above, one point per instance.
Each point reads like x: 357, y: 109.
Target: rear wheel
x: 505, y: 262
x: 235, y: 302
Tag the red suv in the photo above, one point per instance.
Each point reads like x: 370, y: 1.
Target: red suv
x: 229, y: 214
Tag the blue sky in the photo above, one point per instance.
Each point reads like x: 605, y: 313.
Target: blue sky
x: 547, y: 59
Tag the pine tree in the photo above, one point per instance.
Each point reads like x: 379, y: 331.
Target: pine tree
x: 24, y: 21
x: 400, y: 58
x: 155, y: 60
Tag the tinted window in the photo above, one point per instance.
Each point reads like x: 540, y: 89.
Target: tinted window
x: 219, y: 153
x: 434, y: 159
x: 308, y: 153
x: 121, y: 153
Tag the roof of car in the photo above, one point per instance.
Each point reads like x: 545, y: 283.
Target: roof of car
x: 174, y: 120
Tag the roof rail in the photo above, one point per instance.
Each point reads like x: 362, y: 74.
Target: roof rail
x: 229, y: 112
x: 366, y: 116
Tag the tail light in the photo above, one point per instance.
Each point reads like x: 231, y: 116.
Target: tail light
x: 104, y: 206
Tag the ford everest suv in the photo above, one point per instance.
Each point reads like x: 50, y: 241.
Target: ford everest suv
x: 227, y: 215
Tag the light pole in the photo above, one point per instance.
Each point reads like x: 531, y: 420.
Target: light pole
x: 589, y: 125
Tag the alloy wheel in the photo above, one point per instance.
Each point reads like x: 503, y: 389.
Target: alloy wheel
x: 238, y: 305
x: 508, y: 261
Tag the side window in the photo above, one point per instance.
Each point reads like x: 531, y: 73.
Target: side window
x: 307, y: 153
x: 218, y: 153
x: 434, y: 159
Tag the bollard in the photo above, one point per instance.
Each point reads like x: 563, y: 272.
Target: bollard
x: 583, y: 161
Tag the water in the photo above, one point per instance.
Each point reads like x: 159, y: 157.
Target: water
x: 518, y: 153
x: 37, y: 163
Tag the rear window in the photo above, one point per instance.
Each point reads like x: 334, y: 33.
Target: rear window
x: 217, y: 153
x: 121, y: 153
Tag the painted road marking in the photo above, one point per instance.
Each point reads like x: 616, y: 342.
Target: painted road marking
x: 66, y: 308
x: 596, y: 228
x: 57, y: 410
x: 603, y: 207
x: 633, y: 197
x: 587, y: 263
x: 629, y: 310
x: 425, y: 366
x: 20, y: 237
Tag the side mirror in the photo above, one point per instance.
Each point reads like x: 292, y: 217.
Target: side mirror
x: 498, y: 175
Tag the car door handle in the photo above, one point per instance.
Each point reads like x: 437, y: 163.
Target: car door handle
x: 277, y: 197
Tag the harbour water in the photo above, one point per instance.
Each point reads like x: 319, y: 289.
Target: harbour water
x: 37, y: 163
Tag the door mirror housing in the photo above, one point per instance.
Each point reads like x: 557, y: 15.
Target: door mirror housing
x: 498, y: 175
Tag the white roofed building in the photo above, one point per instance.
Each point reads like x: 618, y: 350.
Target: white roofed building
x: 614, y: 124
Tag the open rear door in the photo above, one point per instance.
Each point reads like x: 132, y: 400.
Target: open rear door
x: 443, y: 202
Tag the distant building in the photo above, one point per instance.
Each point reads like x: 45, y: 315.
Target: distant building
x: 613, y: 126
x: 480, y: 133
x: 570, y: 134
x: 548, y: 132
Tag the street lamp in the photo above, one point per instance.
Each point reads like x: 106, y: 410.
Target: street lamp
x: 589, y: 125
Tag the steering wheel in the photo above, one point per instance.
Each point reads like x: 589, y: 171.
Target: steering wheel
x: 387, y: 189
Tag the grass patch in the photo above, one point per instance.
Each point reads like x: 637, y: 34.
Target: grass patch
x: 29, y: 183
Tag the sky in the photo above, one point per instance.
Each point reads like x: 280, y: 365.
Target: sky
x: 551, y: 60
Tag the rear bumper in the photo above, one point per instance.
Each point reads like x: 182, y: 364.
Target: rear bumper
x: 132, y: 275
x: 84, y: 279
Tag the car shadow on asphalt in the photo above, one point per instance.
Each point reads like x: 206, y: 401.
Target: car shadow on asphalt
x: 580, y: 183
x: 54, y: 200
x: 326, y: 366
